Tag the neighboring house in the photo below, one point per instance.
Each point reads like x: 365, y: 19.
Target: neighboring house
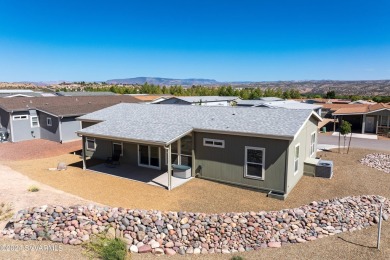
x: 329, y: 108
x: 150, y: 99
x: 264, y: 149
x: 84, y: 93
x: 282, y: 103
x: 200, y: 100
x: 363, y: 102
x: 10, y: 93
x: 366, y: 118
x: 51, y: 118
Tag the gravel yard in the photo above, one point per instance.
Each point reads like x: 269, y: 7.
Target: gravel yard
x: 35, y: 149
x: 350, y: 178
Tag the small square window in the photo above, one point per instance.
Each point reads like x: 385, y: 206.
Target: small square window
x: 91, y: 145
x: 34, y: 121
x: 49, y: 122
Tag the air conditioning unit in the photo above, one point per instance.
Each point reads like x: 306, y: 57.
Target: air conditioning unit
x: 324, y: 169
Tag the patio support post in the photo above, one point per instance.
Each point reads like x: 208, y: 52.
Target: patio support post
x: 364, y: 124
x: 83, y: 153
x: 169, y: 167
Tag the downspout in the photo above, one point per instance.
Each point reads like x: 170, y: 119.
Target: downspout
x: 12, y: 128
x: 286, y: 169
x: 60, y: 127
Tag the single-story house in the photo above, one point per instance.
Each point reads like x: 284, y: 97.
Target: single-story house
x: 366, y: 118
x: 150, y: 99
x: 282, y: 103
x: 200, y: 100
x: 84, y: 93
x: 51, y: 118
x: 11, y: 93
x: 262, y: 148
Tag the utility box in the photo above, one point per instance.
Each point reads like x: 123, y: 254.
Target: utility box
x: 324, y: 169
x: 309, y: 166
x: 181, y: 171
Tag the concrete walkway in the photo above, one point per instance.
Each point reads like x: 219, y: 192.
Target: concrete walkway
x: 383, y: 145
x: 364, y: 136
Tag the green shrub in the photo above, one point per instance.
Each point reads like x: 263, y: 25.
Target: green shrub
x: 236, y: 257
x: 114, y: 250
x: 105, y: 248
x: 33, y: 188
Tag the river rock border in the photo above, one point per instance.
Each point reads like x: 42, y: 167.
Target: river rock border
x: 379, y: 161
x: 169, y: 233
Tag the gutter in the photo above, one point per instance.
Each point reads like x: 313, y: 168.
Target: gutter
x: 80, y: 133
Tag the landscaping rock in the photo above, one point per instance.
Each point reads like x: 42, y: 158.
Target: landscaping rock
x: 197, y: 233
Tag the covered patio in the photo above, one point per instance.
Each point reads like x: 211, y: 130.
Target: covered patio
x: 141, y: 174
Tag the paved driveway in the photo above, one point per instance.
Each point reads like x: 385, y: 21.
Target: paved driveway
x: 383, y: 145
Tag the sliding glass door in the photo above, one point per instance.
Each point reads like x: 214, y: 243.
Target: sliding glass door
x: 149, y: 156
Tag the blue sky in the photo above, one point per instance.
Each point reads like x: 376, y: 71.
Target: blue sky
x: 222, y: 40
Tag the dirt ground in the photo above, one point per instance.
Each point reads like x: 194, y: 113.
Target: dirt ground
x: 35, y: 149
x: 14, y: 186
x: 350, y: 178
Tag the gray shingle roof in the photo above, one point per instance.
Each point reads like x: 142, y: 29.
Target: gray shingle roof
x: 197, y: 99
x: 85, y: 93
x: 160, y: 123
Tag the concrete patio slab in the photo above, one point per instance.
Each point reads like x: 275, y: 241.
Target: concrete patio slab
x: 140, y: 174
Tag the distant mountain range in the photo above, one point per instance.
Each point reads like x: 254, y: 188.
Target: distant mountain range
x: 344, y: 87
x: 163, y: 81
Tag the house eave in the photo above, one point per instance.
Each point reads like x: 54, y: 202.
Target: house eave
x: 122, y: 139
x: 279, y: 137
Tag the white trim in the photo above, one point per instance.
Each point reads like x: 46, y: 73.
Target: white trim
x: 296, y: 159
x: 304, y: 123
x: 148, y: 165
x: 49, y: 121
x: 313, y: 145
x: 94, y: 144
x: 120, y: 144
x: 31, y: 121
x: 214, y: 141
x: 262, y: 163
x: 20, y: 117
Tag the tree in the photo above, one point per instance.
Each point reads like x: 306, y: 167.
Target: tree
x: 330, y: 94
x: 345, y: 128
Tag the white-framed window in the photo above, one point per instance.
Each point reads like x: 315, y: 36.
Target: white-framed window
x: 49, y: 121
x: 296, y: 159
x: 384, y: 121
x: 313, y: 143
x: 149, y: 156
x: 214, y: 143
x: 254, y: 162
x: 21, y: 117
x: 91, y: 144
x: 117, y: 148
x: 34, y: 121
x: 181, y: 151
